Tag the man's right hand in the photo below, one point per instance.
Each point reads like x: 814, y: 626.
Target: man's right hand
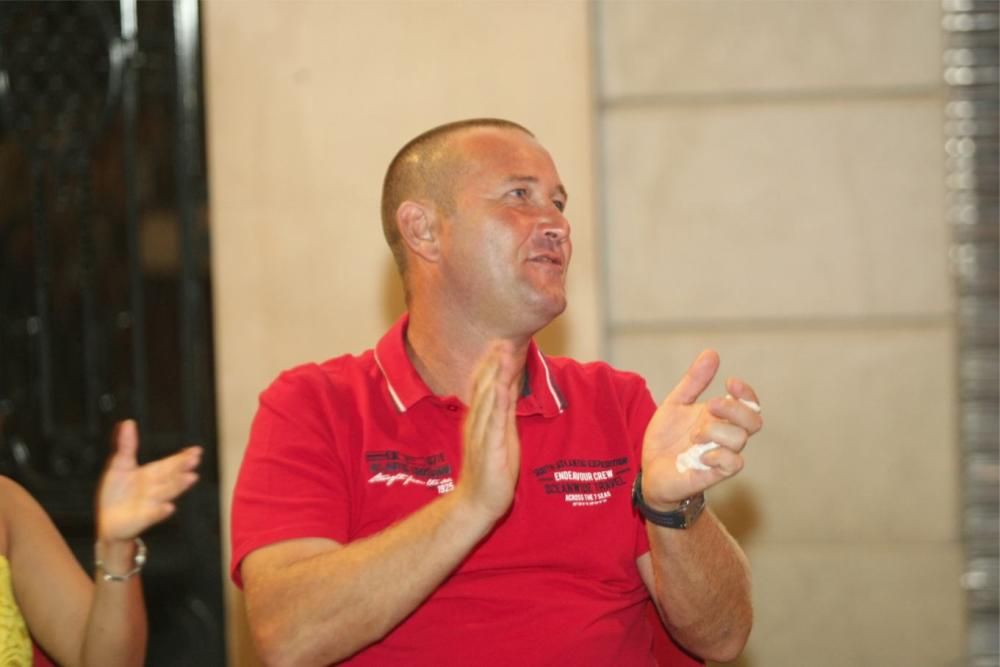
x: 491, y: 448
x: 314, y: 601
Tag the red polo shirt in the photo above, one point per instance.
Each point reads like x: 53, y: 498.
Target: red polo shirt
x: 344, y: 449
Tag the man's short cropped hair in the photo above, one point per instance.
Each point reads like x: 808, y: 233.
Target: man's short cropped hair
x: 423, y: 168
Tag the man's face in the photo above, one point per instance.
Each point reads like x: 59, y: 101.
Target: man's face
x: 506, y: 246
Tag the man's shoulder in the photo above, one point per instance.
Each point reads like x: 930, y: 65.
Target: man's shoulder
x: 593, y: 373
x: 348, y: 372
x: 598, y: 383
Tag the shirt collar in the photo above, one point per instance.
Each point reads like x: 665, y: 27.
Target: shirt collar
x: 540, y: 394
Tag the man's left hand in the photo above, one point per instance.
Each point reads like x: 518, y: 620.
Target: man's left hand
x: 681, y: 422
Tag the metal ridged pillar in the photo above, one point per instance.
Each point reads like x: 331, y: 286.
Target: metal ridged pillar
x: 972, y: 73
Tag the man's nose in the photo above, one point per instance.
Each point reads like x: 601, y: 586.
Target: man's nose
x: 555, y: 228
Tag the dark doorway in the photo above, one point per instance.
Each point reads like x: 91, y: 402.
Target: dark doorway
x: 105, y: 308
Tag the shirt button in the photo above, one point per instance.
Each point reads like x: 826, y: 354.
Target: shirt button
x: 453, y: 408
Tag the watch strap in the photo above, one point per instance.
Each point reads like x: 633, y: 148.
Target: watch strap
x: 682, y: 517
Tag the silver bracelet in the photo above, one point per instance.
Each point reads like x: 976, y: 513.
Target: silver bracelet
x: 139, y: 560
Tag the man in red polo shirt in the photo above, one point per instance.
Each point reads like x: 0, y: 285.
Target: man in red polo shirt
x: 456, y: 497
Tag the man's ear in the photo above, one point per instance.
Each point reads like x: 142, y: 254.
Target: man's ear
x: 419, y: 228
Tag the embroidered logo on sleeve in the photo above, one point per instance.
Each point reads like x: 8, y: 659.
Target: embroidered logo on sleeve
x: 583, y: 482
x: 391, y: 467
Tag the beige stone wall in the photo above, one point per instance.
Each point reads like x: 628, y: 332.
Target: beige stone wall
x: 307, y: 103
x: 772, y: 183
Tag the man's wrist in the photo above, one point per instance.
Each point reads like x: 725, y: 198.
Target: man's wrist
x: 671, y: 506
x: 476, y: 517
x: 682, y: 515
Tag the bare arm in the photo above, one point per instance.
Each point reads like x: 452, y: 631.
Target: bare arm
x: 78, y: 621
x: 702, y: 587
x: 313, y: 602
x: 53, y: 592
x: 699, y: 577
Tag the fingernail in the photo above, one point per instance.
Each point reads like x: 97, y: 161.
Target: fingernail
x: 747, y: 402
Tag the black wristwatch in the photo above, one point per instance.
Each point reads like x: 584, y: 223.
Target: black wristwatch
x: 682, y: 517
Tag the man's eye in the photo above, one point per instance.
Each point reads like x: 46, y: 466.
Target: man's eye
x: 561, y: 205
x: 520, y: 193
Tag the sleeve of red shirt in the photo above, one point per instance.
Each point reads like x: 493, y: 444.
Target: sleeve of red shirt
x: 292, y: 482
x: 639, y: 410
x: 666, y: 650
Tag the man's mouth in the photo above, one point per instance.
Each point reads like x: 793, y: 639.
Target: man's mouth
x: 548, y: 259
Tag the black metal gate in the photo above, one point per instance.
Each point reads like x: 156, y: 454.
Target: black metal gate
x: 105, y: 305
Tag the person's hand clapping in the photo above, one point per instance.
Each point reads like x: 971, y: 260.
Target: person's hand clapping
x: 131, y: 498
x: 680, y: 422
x: 492, y: 450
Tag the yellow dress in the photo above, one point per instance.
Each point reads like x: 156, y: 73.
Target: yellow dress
x: 15, y: 643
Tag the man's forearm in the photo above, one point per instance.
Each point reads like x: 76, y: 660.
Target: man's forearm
x: 326, y: 607
x: 702, y: 587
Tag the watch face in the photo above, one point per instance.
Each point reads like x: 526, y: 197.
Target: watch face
x: 692, y: 508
